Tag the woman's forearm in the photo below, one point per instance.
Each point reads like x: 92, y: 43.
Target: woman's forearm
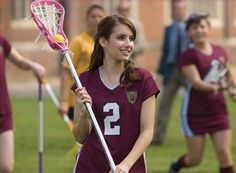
x: 139, y: 147
x: 82, y: 124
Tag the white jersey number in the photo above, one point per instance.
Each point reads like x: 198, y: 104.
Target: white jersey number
x: 109, y: 130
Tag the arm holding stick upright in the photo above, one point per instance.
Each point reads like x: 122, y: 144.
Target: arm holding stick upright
x: 49, y: 17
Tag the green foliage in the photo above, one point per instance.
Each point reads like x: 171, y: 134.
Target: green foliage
x: 59, y: 146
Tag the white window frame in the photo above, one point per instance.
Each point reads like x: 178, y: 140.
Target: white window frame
x: 19, y: 21
x: 111, y: 7
x: 167, y: 12
x: 234, y: 19
x: 216, y: 21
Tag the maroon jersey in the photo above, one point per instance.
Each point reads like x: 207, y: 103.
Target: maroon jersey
x: 118, y: 114
x: 5, y: 107
x: 204, y: 112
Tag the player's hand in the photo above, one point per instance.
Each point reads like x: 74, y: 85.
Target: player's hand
x: 222, y: 87
x: 38, y: 70
x: 83, y: 96
x: 232, y: 93
x: 121, y: 168
x: 63, y: 108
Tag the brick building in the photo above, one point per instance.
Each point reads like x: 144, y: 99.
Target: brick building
x: 154, y: 14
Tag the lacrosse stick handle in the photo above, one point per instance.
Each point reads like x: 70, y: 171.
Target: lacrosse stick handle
x: 91, y: 114
x: 40, y: 127
x: 56, y: 102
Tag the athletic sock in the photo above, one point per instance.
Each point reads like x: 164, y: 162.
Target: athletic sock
x: 228, y: 169
x: 176, y: 166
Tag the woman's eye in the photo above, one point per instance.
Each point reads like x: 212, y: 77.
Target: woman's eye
x: 121, y: 37
x: 131, y: 38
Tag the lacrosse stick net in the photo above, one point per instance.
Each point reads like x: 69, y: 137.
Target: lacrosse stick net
x: 224, y: 76
x: 224, y: 81
x: 49, y: 17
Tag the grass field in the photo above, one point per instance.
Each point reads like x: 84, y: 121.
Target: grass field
x: 58, y: 141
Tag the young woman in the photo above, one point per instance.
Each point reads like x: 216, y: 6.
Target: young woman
x: 122, y: 98
x: 204, y: 109
x: 7, y: 52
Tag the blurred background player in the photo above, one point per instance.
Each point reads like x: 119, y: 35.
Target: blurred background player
x: 7, y: 52
x: 81, y: 47
x: 175, y: 41
x: 204, y: 111
x: 124, y: 9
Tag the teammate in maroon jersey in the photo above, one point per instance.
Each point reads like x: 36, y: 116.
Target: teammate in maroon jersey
x: 6, y: 119
x: 204, y: 108
x: 123, y: 101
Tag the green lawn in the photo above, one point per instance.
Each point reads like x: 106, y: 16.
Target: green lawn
x: 59, y: 146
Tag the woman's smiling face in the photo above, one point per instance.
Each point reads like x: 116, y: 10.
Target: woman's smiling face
x: 120, y: 44
x: 199, y: 31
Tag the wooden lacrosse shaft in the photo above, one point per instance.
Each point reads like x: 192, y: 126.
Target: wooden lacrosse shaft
x: 91, y: 114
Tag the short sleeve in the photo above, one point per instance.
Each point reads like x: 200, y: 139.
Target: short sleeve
x: 149, y: 86
x: 186, y: 58
x: 225, y: 55
x: 6, y: 46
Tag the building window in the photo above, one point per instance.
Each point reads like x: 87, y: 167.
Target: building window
x: 20, y: 11
x: 214, y: 8
x: 167, y: 12
x: 111, y: 7
x: 1, y: 17
x: 233, y: 12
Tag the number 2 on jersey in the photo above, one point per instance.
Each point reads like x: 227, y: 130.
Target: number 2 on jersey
x: 109, y: 129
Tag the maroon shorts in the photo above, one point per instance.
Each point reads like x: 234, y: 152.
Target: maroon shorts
x: 196, y: 125
x: 6, y: 122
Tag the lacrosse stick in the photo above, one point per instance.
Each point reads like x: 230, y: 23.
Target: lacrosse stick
x: 223, y: 78
x: 40, y: 127
x: 56, y: 103
x: 223, y: 75
x: 49, y: 17
x: 65, y: 116
x: 224, y: 81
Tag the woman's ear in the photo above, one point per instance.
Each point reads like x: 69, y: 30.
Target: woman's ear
x: 102, y: 41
